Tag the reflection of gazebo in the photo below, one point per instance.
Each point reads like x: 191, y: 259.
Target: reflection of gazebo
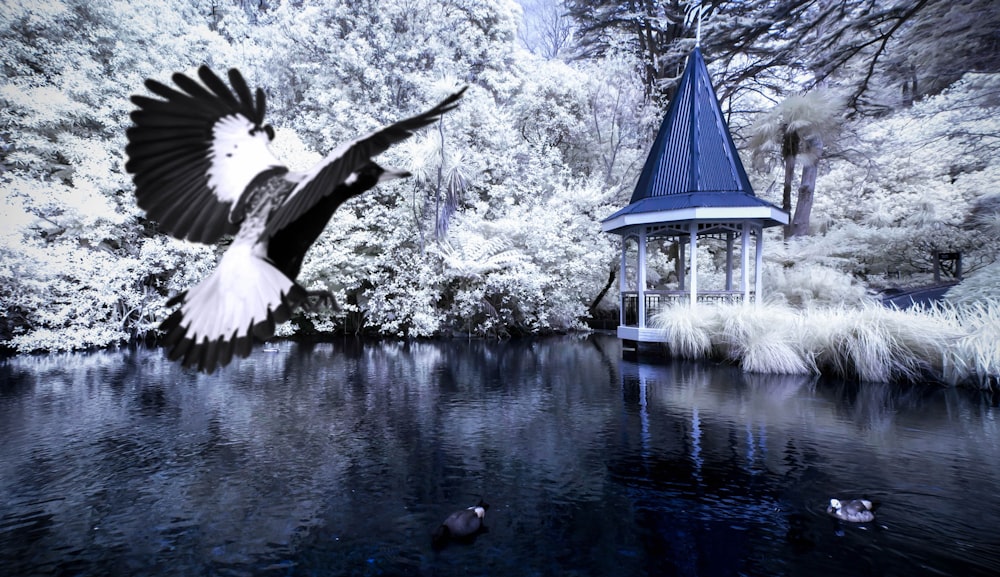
x: 693, y: 186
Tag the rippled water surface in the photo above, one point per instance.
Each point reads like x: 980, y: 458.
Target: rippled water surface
x: 340, y: 458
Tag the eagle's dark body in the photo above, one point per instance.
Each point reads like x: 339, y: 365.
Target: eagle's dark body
x: 203, y: 169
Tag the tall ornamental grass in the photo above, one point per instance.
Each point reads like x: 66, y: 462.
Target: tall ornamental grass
x: 762, y: 340
x: 976, y: 354
x: 689, y: 334
x: 950, y: 344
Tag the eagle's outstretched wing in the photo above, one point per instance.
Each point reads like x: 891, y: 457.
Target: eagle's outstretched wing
x: 193, y: 153
x: 346, y: 159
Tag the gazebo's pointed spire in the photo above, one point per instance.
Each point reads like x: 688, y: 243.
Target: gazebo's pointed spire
x: 693, y: 151
x: 698, y: 12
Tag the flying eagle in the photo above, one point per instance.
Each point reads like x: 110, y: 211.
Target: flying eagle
x: 203, y: 168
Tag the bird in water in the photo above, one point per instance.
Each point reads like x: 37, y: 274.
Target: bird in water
x: 853, y: 511
x: 462, y: 525
x: 203, y: 168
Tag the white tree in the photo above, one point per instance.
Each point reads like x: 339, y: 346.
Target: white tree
x: 797, y: 130
x: 546, y: 28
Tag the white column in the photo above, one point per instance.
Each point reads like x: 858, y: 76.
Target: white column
x: 693, y: 231
x: 729, y: 261
x: 622, y: 281
x: 758, y: 268
x: 641, y: 277
x: 681, y: 275
x: 745, y: 265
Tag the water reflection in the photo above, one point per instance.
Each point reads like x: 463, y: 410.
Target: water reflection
x: 753, y: 457
x: 340, y: 458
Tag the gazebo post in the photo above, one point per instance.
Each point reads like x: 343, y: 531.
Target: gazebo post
x: 681, y: 280
x: 693, y: 227
x: 641, y: 277
x: 745, y: 265
x: 758, y: 266
x: 622, y: 281
x: 729, y: 261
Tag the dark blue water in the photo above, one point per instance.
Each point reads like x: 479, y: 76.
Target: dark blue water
x: 340, y: 459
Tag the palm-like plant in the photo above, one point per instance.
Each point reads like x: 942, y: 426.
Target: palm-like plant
x: 796, y: 129
x: 445, y: 175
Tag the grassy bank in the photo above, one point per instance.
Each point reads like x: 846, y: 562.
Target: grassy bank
x: 953, y: 345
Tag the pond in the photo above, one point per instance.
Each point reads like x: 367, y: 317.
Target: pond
x: 341, y: 458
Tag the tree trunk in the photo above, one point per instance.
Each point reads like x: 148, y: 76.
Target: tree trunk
x: 647, y: 42
x: 786, y: 191
x: 437, y: 189
x: 807, y: 190
x: 592, y: 309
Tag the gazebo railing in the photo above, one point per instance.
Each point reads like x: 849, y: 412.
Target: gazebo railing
x: 656, y: 300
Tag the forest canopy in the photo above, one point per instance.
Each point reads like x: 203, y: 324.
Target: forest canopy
x: 498, y: 230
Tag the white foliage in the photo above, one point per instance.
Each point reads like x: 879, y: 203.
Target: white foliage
x: 905, y: 186
x: 293, y: 152
x: 472, y: 256
x: 980, y: 286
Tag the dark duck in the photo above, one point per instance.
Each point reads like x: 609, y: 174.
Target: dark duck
x: 462, y: 525
x: 203, y: 168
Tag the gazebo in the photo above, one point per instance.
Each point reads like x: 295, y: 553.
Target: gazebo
x: 693, y: 187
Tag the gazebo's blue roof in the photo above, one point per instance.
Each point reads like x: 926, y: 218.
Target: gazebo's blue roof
x: 693, y: 162
x: 679, y: 201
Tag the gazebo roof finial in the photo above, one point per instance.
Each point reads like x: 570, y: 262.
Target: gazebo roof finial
x: 695, y: 10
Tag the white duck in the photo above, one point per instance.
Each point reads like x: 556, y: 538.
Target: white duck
x: 853, y: 511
